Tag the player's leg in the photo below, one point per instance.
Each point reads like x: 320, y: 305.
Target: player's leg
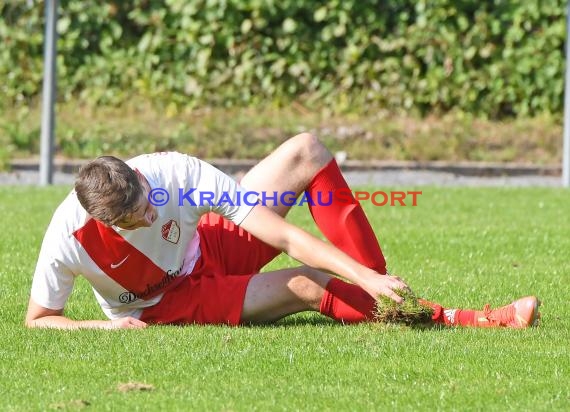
x: 290, y: 168
x: 303, y: 164
x: 273, y: 295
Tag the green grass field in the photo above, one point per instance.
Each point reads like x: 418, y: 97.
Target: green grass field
x: 463, y: 247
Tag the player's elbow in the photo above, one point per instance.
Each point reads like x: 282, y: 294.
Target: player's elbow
x: 30, y: 323
x: 36, y: 314
x: 31, y: 320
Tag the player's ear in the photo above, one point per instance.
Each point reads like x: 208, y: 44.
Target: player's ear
x: 141, y: 177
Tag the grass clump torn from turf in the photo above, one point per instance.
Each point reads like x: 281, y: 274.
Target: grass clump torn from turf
x: 410, y: 312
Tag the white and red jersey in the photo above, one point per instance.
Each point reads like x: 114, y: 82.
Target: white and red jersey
x: 131, y: 269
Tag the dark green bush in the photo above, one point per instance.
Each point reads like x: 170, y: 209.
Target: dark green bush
x: 496, y: 58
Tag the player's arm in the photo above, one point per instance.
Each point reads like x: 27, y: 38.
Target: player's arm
x: 271, y: 228
x: 53, y: 283
x: 41, y: 317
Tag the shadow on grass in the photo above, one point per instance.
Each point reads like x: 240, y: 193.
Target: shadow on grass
x: 318, y: 321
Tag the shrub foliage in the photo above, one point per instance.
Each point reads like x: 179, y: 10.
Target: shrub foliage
x: 495, y: 58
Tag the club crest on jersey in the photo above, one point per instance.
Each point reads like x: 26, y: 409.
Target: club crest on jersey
x: 171, y: 231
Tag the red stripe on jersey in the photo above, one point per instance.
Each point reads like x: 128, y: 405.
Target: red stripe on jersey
x: 122, y: 262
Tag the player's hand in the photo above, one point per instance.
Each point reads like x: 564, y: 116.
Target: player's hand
x: 127, y: 322
x: 384, y: 285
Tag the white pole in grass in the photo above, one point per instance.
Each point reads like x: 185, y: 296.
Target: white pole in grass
x: 566, y: 148
x: 49, y: 90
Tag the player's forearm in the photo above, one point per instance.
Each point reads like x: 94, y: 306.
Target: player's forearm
x: 306, y: 248
x: 321, y: 255
x: 62, y: 322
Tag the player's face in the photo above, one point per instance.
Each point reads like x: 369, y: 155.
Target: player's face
x: 144, y: 214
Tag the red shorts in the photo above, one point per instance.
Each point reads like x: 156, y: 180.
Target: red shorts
x: 215, y: 290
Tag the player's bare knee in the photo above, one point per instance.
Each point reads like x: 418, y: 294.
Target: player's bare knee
x: 304, y: 288
x: 308, y: 284
x: 310, y: 150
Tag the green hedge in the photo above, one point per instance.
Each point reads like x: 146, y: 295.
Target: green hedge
x: 496, y: 57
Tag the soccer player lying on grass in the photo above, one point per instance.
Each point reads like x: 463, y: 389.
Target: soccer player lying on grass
x: 199, y: 262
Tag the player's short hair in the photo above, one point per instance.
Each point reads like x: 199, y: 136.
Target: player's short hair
x: 108, y: 189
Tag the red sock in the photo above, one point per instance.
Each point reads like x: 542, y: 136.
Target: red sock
x: 343, y: 221
x: 346, y: 303
x: 451, y: 317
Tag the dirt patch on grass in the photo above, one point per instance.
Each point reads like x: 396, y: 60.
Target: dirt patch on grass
x: 73, y: 404
x: 134, y: 386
